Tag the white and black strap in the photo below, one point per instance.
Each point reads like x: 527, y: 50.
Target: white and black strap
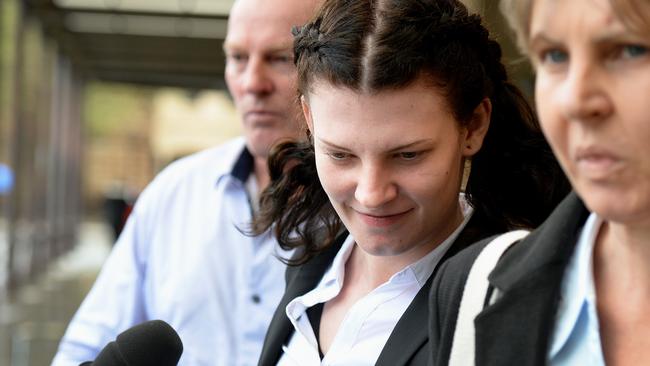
x: 474, y: 293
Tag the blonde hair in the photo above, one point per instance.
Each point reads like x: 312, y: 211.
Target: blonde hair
x: 635, y: 14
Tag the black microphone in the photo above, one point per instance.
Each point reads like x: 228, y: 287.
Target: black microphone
x: 152, y: 343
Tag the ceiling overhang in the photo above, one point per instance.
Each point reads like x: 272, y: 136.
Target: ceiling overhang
x: 161, y: 42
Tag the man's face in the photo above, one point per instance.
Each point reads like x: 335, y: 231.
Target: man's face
x: 260, y: 72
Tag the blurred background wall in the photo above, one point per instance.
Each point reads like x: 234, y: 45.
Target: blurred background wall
x: 96, y: 97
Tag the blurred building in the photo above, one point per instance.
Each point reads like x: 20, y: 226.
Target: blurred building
x: 71, y: 128
x: 95, y: 97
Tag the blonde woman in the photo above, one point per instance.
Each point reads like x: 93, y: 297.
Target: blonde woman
x: 577, y: 290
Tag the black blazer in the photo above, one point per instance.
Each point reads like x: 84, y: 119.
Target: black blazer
x: 407, y: 344
x: 517, y: 328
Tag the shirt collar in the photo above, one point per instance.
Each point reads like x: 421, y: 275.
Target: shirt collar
x: 577, y: 285
x: 230, y: 160
x: 243, y: 166
x: 329, y: 286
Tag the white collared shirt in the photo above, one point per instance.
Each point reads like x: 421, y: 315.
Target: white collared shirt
x: 369, y: 322
x: 182, y: 258
x: 576, y: 336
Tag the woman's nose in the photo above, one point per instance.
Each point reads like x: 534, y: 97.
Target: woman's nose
x: 375, y: 187
x: 584, y: 96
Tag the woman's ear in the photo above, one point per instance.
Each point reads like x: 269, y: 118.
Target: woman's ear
x: 477, y: 128
x: 306, y: 111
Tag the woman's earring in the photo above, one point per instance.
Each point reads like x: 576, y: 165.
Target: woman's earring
x: 467, y: 170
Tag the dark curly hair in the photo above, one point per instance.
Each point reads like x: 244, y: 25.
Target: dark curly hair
x: 374, y: 45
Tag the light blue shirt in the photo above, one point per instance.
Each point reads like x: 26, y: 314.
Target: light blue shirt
x: 576, y: 338
x: 182, y: 259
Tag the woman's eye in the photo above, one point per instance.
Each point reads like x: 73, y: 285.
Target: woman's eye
x: 632, y: 51
x: 408, y: 155
x: 338, y: 156
x: 554, y: 56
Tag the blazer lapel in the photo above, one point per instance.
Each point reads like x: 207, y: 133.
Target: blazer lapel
x: 300, y: 280
x: 516, y: 329
x: 411, y: 331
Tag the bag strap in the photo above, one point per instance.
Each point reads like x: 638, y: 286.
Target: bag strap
x: 474, y: 293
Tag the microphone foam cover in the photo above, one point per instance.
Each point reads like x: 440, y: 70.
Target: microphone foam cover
x: 109, y: 356
x: 152, y: 343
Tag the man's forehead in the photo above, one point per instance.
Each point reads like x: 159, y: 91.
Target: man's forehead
x: 279, y: 14
x: 273, y: 38
x: 254, y: 22
x: 245, y: 45
x: 290, y: 12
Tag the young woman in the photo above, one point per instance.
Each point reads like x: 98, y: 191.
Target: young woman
x: 576, y: 291
x: 404, y: 100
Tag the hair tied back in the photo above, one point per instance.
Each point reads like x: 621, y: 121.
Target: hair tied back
x: 307, y: 39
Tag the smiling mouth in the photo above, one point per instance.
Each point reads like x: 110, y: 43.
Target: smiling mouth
x: 382, y: 220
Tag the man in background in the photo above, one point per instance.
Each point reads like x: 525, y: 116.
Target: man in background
x: 182, y: 257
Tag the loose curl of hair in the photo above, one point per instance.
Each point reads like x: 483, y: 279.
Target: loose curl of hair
x: 371, y: 46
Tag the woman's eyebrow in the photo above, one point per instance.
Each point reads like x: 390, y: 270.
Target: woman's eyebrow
x: 392, y: 149
x: 540, y: 38
x: 410, y: 145
x: 332, y: 145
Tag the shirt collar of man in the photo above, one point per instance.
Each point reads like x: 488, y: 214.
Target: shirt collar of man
x: 239, y: 166
x: 243, y: 166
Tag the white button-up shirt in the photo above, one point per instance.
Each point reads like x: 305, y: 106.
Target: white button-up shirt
x: 370, y: 321
x: 183, y: 259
